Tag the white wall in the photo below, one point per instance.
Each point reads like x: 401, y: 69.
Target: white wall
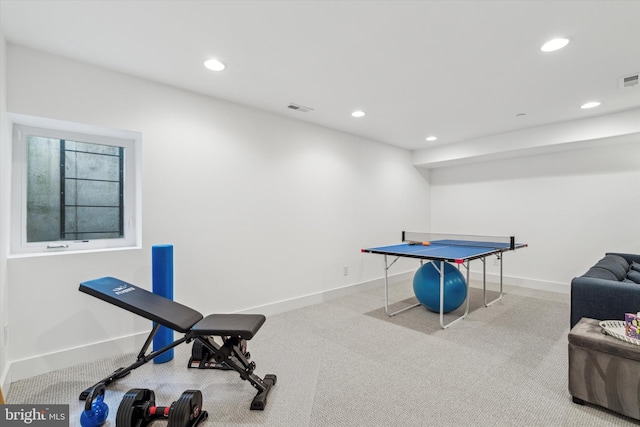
x: 261, y: 209
x: 5, y: 156
x: 570, y: 207
x: 264, y: 211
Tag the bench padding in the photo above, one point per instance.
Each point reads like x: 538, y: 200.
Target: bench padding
x: 140, y: 301
x: 233, y: 325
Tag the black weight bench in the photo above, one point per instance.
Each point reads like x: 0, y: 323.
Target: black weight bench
x: 165, y: 312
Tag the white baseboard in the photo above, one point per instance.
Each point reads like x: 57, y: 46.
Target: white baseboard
x: 324, y: 296
x: 522, y: 282
x: 25, y: 368
x: 42, y: 364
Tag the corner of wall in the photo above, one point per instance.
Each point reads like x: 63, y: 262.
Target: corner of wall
x: 5, y: 377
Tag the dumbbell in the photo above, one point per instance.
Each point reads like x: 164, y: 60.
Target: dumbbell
x: 95, y: 413
x: 138, y: 408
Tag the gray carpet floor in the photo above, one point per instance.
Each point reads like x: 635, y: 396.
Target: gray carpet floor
x: 345, y: 363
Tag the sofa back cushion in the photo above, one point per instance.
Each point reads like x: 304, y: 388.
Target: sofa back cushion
x: 600, y: 273
x: 615, y: 264
x: 620, y: 260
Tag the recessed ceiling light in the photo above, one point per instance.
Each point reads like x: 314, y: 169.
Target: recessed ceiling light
x: 431, y: 138
x: 214, y: 65
x: 358, y: 113
x: 591, y: 104
x: 554, y: 44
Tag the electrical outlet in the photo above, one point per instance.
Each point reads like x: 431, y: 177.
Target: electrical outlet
x: 345, y: 270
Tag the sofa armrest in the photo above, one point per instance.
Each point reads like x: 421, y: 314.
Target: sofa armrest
x: 602, y: 299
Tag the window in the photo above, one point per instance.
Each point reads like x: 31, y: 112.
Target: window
x: 75, y: 187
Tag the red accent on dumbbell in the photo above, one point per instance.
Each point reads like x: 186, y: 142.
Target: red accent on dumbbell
x: 160, y: 409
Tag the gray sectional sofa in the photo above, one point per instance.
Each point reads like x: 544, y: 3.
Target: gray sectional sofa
x: 607, y: 290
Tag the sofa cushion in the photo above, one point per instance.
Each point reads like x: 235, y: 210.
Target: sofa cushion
x: 617, y: 258
x: 611, y: 263
x: 634, y: 276
x: 635, y: 266
x: 600, y: 273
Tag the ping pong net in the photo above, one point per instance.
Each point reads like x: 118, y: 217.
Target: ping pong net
x: 495, y: 242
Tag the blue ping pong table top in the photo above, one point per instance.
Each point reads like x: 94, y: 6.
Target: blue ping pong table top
x: 445, y: 250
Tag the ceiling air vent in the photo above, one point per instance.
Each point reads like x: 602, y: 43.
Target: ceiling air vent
x: 628, y: 81
x: 300, y: 108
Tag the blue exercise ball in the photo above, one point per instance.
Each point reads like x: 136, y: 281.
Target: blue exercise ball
x: 426, y: 286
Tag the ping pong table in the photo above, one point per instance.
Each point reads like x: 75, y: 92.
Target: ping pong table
x: 441, y: 248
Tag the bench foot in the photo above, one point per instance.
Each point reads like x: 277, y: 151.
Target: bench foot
x: 260, y: 401
x: 117, y: 374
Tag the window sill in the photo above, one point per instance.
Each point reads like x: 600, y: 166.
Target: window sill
x: 70, y: 252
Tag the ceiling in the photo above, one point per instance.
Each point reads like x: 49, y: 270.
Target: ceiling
x: 458, y: 70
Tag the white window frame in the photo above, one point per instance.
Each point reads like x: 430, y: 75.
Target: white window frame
x: 132, y: 141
